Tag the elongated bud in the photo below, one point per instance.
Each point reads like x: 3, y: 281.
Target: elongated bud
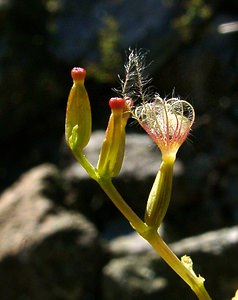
x: 78, y: 123
x: 160, y: 195
x: 113, y: 147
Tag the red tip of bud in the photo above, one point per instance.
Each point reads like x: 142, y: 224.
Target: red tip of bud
x: 78, y: 73
x: 117, y: 103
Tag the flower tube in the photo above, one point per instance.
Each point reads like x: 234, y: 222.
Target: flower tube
x: 113, y: 147
x: 78, y: 123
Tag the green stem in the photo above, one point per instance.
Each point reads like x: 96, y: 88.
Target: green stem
x: 195, y: 283
x: 147, y: 232
x: 120, y: 203
x: 108, y: 187
x: 151, y: 235
x: 89, y: 168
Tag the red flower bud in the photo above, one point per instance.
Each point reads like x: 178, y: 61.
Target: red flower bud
x: 78, y: 74
x: 78, y: 115
x: 117, y: 103
x: 113, y: 148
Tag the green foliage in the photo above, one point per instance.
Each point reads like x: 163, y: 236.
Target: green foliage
x: 110, y: 57
x: 195, y: 13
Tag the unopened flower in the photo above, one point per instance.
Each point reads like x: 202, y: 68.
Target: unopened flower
x: 113, y: 147
x: 78, y: 122
x: 168, y: 122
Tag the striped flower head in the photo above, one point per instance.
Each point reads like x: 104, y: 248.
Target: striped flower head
x: 168, y: 122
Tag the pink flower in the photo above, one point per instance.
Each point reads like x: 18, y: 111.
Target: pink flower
x: 168, y: 122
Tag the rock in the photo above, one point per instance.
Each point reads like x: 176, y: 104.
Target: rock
x: 146, y: 276
x: 34, y: 84
x: 131, y: 244
x: 46, y: 252
x: 141, y: 163
x: 132, y: 278
x: 137, y: 145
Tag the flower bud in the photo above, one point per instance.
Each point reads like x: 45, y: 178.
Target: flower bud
x: 78, y: 123
x: 113, y: 147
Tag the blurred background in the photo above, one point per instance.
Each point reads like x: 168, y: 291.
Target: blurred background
x: 193, y: 45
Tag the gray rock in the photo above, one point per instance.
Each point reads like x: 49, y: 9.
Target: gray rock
x: 140, y: 166
x: 146, y: 276
x: 131, y: 244
x: 137, y: 146
x: 46, y: 252
x: 132, y: 278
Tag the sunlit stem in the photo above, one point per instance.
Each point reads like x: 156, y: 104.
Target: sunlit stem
x: 151, y: 235
x: 89, y: 168
x: 106, y: 184
x: 147, y: 232
x: 120, y: 203
x: 172, y: 260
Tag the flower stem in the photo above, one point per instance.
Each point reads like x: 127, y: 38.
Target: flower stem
x: 150, y: 234
x: 81, y: 158
x: 195, y: 283
x: 120, y: 203
x: 108, y: 187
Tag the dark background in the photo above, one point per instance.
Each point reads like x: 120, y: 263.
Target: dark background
x: 194, y: 49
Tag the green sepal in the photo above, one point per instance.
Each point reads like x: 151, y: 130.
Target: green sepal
x: 78, y: 123
x: 160, y: 194
x: 113, y: 147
